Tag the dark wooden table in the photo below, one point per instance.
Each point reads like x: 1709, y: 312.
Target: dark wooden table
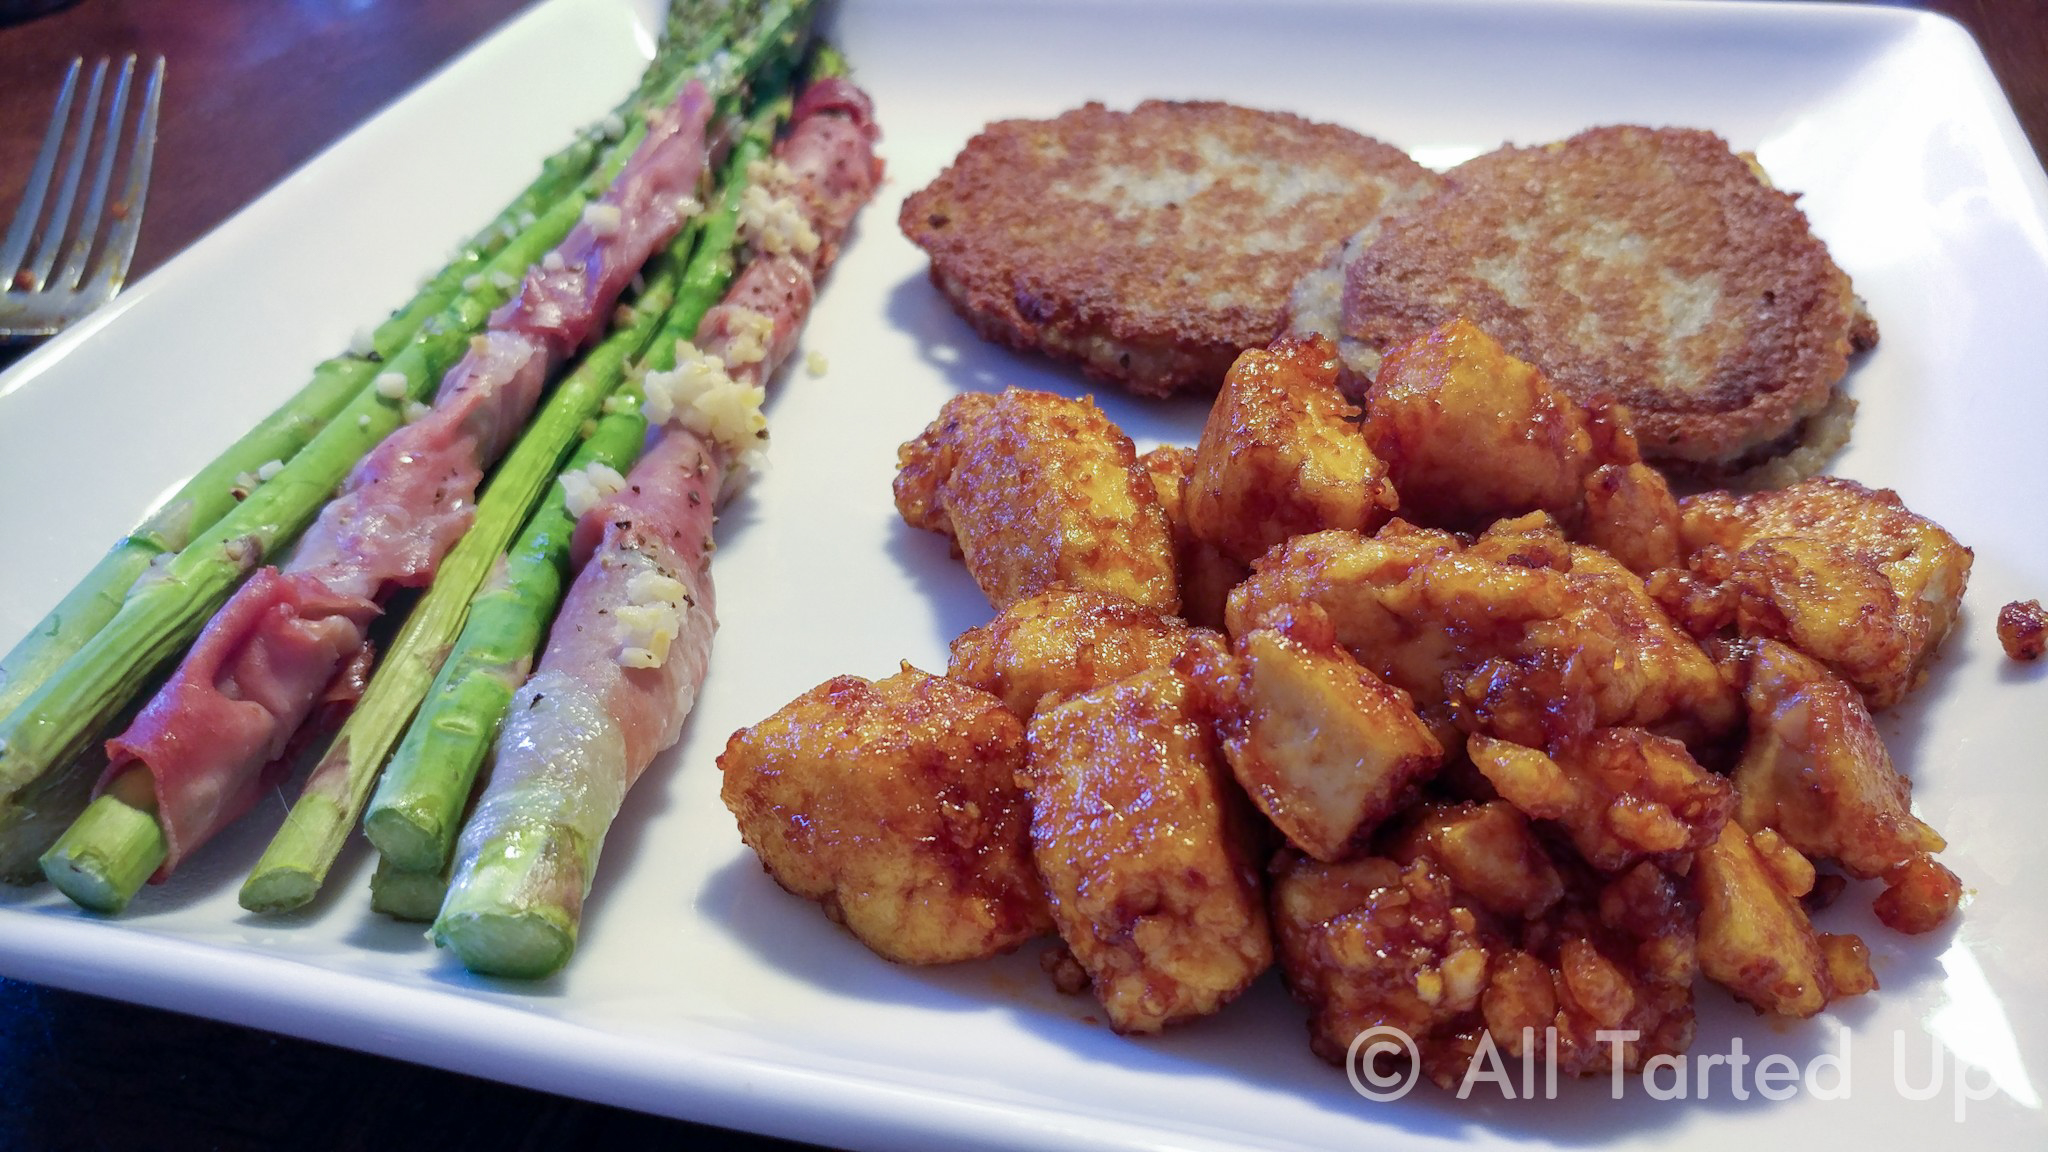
x: 256, y: 88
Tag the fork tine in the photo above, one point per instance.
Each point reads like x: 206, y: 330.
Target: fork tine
x: 120, y: 249
x: 95, y: 202
x: 24, y: 225
x: 58, y: 222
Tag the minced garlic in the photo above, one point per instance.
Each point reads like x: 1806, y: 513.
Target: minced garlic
x: 585, y: 488
x: 775, y: 224
x: 651, y: 619
x: 699, y: 395
x: 747, y: 335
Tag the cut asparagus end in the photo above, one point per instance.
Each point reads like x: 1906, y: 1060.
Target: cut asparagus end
x: 403, y: 894
x: 523, y: 945
x: 32, y: 819
x: 409, y: 839
x: 106, y: 856
x: 514, y: 906
x: 291, y: 870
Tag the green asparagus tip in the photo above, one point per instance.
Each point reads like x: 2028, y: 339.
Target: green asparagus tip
x: 106, y: 856
x: 524, y: 945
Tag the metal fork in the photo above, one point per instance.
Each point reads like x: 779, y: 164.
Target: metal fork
x: 34, y: 299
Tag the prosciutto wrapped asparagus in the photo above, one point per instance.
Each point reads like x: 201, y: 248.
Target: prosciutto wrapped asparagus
x: 205, y: 740
x: 632, y: 643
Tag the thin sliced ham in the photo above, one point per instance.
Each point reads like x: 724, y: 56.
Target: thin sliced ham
x: 591, y: 720
x: 287, y: 641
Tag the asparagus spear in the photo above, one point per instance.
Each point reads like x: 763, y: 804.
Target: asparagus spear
x: 209, y: 495
x: 582, y: 729
x: 297, y: 861
x: 416, y: 812
x: 405, y: 895
x: 294, y: 866
x: 158, y: 620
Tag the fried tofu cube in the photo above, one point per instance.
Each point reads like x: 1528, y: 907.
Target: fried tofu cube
x: 1621, y: 794
x: 895, y: 805
x: 1326, y: 749
x: 1148, y: 852
x: 1816, y: 770
x: 1039, y: 492
x: 1280, y: 455
x: 1631, y: 515
x: 1488, y: 851
x: 1401, y: 613
x: 1206, y: 574
x: 1058, y: 644
x: 1754, y: 938
x: 1370, y: 943
x: 1919, y: 896
x: 1471, y: 434
x: 1841, y: 572
x: 1621, y: 956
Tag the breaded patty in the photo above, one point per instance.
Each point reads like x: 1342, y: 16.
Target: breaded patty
x: 1653, y: 267
x: 1149, y: 246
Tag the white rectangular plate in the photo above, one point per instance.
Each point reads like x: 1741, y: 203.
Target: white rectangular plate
x: 701, y: 989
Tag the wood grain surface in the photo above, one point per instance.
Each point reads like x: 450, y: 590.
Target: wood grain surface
x: 255, y: 88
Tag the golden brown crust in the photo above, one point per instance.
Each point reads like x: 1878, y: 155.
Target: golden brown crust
x: 1325, y: 748
x: 1147, y: 852
x: 1281, y: 455
x: 1148, y: 246
x: 1653, y: 268
x: 1816, y: 771
x: 1058, y: 644
x: 1844, y: 573
x: 2023, y: 629
x: 1206, y: 575
x: 1039, y: 492
x: 894, y: 804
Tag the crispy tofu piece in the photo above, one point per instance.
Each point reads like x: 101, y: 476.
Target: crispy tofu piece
x: 1325, y: 748
x: 1841, y: 572
x: 895, y: 805
x: 1058, y: 644
x: 1609, y: 657
x: 1488, y: 851
x: 1631, y: 515
x: 1405, y: 601
x: 1816, y: 770
x: 1206, y: 574
x: 1039, y: 492
x: 1755, y: 938
x: 1369, y: 944
x: 1616, y: 956
x: 1621, y: 794
x: 1495, y: 636
x: 1147, y: 851
x: 1471, y: 434
x: 1280, y: 455
x: 1919, y: 896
